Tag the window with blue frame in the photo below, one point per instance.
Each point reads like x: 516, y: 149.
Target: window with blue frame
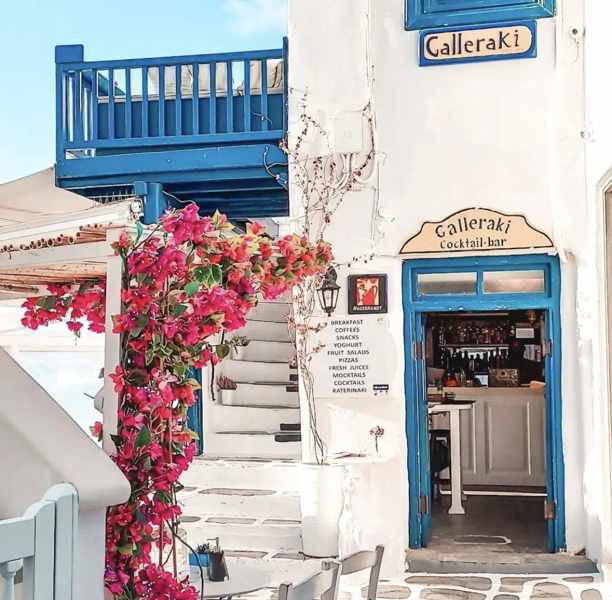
x: 422, y: 14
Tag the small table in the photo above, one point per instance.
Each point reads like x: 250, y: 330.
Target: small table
x: 244, y: 579
x: 453, y: 409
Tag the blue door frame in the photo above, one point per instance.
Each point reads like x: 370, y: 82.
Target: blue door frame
x: 415, y: 307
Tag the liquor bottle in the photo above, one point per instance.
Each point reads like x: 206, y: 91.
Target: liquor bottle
x: 478, y: 364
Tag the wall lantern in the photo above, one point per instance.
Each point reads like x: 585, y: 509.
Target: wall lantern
x: 328, y: 291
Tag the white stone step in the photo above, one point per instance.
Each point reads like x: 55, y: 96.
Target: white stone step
x: 265, y: 330
x: 274, y: 352
x: 239, y: 418
x: 267, y: 504
x: 247, y: 394
x: 251, y: 371
x: 251, y: 536
x: 248, y: 445
x: 253, y: 474
x: 277, y: 312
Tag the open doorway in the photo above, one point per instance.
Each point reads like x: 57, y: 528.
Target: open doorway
x: 489, y: 367
x: 483, y: 404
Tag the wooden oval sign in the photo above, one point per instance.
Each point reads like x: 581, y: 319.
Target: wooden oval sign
x: 477, y: 230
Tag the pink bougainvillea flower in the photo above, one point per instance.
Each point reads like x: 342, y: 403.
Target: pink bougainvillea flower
x: 184, y: 286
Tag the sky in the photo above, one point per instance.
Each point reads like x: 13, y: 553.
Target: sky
x: 69, y: 378
x: 109, y: 29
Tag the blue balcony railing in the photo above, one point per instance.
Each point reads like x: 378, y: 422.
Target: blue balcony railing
x: 205, y: 127
x: 119, y: 106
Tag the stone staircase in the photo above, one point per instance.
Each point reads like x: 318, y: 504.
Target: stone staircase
x: 245, y: 488
x: 251, y: 505
x: 261, y: 418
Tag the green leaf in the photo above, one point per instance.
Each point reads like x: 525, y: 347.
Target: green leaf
x: 163, y: 497
x: 141, y: 323
x: 201, y: 274
x: 223, y: 350
x: 149, y: 355
x: 179, y: 309
x: 194, y: 383
x: 143, y: 438
x: 139, y: 231
x: 127, y: 549
x: 217, y: 274
x: 180, y: 369
x: 192, y: 288
x: 47, y: 302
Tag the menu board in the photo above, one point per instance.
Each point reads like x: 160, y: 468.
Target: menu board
x: 358, y: 358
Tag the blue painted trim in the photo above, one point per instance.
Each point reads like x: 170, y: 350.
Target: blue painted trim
x: 412, y: 420
x: 286, y: 85
x: 422, y: 14
x: 142, y: 143
x: 69, y: 53
x: 415, y: 305
x: 531, y: 52
x: 173, y: 60
x: 208, y: 163
x: 416, y: 430
x: 195, y: 414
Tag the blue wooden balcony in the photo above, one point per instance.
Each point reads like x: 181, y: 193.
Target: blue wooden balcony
x: 205, y: 127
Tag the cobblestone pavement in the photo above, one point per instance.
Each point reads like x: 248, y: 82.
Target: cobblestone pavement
x: 423, y: 586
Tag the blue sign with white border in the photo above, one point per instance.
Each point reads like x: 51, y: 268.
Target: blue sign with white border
x: 478, y: 43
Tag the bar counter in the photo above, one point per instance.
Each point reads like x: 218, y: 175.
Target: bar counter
x: 502, y: 437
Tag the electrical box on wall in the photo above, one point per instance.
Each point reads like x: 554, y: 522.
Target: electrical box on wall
x: 349, y: 132
x: 421, y: 14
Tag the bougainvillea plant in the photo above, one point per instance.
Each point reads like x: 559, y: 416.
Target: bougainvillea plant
x: 186, y: 282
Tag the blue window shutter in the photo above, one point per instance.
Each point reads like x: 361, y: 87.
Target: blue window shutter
x: 422, y: 14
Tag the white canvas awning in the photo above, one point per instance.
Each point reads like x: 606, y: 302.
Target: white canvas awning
x: 52, y: 236
x: 36, y: 196
x: 40, y: 229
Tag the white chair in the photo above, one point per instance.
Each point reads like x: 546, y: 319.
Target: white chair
x: 366, y: 559
x: 319, y: 586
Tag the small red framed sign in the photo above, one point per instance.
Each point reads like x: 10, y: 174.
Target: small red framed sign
x: 367, y: 294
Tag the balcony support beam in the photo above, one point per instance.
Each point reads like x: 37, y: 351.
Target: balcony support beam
x: 154, y: 199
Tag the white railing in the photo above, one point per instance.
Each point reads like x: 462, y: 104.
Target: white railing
x: 43, y: 543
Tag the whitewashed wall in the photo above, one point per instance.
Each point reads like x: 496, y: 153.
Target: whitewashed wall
x: 593, y: 314
x: 505, y: 135
x: 41, y: 446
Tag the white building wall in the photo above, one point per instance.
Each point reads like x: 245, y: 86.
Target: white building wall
x: 505, y: 135
x: 594, y: 316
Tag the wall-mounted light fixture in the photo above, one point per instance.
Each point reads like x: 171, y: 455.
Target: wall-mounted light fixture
x: 328, y: 291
